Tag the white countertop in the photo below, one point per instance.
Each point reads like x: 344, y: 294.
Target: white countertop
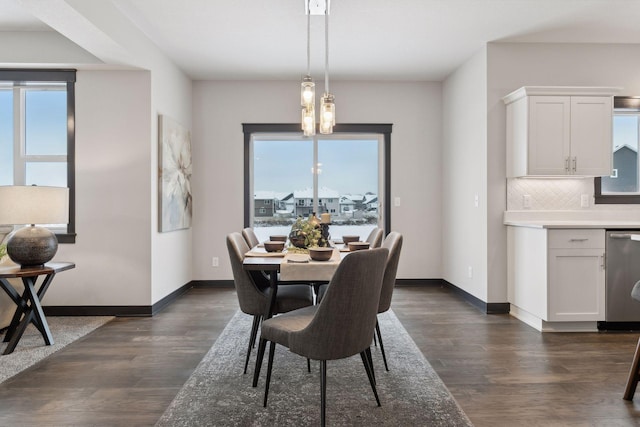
x: 622, y: 219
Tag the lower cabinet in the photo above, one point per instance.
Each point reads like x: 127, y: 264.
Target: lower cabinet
x: 556, y: 277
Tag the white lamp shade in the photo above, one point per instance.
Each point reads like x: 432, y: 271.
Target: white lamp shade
x: 34, y: 205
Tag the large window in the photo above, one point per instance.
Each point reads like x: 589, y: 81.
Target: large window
x: 37, y: 133
x: 345, y: 174
x: 623, y: 186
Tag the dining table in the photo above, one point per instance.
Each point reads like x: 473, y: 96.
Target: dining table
x: 288, y: 266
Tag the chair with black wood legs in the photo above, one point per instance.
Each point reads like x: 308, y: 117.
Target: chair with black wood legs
x: 375, y: 237
x: 393, y: 242
x: 253, y: 296
x: 250, y: 237
x: 634, y: 372
x: 340, y: 326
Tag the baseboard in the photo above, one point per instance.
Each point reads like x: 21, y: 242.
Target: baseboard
x: 418, y: 282
x: 151, y: 310
x: 99, y: 310
x: 485, y: 307
x: 212, y: 283
x: 117, y: 310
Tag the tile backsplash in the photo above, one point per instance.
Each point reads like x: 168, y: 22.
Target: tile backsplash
x: 549, y: 194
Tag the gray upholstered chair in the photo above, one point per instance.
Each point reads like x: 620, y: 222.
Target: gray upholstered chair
x: 393, y: 242
x: 340, y: 326
x: 253, y: 298
x: 375, y: 237
x: 634, y: 372
x: 250, y: 237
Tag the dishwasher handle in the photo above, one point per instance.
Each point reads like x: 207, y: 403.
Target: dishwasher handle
x: 620, y: 236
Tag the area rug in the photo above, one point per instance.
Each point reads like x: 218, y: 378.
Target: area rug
x: 218, y: 394
x: 32, y: 349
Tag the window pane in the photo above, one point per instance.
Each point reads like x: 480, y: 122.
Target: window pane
x: 625, y: 156
x: 348, y: 185
x: 280, y: 170
x: 46, y: 173
x: 46, y: 122
x: 6, y: 137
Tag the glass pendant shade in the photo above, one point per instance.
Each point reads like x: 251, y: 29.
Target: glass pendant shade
x: 327, y: 114
x: 309, y: 121
x: 308, y: 92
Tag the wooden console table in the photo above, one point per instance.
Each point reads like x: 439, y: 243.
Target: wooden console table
x: 29, y: 308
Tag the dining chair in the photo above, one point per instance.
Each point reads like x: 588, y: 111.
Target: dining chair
x: 375, y: 237
x: 340, y: 326
x: 250, y: 237
x: 253, y: 298
x: 393, y: 242
x: 634, y: 372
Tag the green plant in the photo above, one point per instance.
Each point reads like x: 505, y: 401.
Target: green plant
x: 305, y: 234
x: 3, y: 250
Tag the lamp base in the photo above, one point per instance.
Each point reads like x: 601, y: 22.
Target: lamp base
x: 32, y: 246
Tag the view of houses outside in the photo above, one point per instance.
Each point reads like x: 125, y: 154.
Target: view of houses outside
x: 346, y: 175
x: 625, y: 155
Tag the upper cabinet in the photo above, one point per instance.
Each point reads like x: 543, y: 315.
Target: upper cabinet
x: 554, y: 131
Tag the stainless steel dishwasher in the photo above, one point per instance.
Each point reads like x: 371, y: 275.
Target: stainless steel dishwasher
x: 622, y: 273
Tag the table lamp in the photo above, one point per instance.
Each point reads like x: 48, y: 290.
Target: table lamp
x: 33, y: 246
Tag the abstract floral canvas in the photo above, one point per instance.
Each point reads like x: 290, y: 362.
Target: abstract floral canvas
x: 174, y: 175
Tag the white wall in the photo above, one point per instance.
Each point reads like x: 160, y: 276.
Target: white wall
x: 465, y: 176
x: 414, y: 109
x: 122, y: 258
x: 171, y: 252
x: 112, y: 251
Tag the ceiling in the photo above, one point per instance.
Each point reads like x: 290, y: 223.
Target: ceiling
x: 369, y: 39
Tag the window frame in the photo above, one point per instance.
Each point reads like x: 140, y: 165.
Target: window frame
x: 383, y: 129
x: 20, y: 77
x: 628, y: 102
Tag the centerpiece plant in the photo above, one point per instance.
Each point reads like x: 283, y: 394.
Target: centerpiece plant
x: 306, y: 233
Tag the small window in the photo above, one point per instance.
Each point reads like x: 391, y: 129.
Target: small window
x: 623, y: 185
x: 37, y: 133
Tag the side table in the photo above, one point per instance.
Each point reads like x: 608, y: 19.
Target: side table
x: 28, y: 306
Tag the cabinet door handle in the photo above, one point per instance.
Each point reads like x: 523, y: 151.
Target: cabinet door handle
x: 566, y: 164
x: 575, y: 164
x: 584, y: 239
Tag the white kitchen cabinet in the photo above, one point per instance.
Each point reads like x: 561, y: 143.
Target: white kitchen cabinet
x: 556, y: 277
x: 555, y: 131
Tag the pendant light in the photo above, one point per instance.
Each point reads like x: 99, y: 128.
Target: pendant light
x: 327, y: 107
x: 308, y: 88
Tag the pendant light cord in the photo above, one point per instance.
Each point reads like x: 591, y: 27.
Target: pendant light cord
x: 309, y: 38
x: 326, y: 52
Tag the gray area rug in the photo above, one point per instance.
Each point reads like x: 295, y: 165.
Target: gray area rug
x: 31, y: 347
x: 218, y: 394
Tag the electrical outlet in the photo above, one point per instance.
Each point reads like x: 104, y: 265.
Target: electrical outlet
x: 526, y: 201
x: 396, y: 201
x: 470, y: 272
x: 215, y: 262
x: 584, y: 201
x: 476, y: 200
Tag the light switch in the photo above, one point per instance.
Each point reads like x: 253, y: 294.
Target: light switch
x: 526, y: 201
x: 476, y: 201
x: 396, y: 201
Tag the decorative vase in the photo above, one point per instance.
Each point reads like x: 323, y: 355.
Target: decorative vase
x: 297, y: 239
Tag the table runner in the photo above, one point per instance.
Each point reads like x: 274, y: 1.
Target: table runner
x: 321, y: 271
x: 262, y: 252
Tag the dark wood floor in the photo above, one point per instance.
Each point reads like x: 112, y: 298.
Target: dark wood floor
x: 502, y: 372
